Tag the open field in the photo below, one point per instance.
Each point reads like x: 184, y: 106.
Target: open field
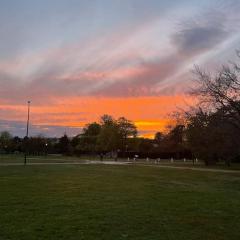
x: 19, y: 159
x: 117, y: 202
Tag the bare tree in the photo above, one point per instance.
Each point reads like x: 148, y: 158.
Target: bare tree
x: 213, y: 126
x: 220, y: 92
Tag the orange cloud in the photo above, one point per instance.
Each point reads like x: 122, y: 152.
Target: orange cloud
x: 150, y: 114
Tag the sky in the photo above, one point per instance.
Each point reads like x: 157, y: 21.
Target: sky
x: 79, y: 59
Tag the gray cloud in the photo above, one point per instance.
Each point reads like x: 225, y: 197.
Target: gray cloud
x: 193, y: 38
x: 198, y: 38
x: 202, y: 33
x: 18, y: 128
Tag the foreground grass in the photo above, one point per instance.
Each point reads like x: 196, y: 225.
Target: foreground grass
x: 117, y: 202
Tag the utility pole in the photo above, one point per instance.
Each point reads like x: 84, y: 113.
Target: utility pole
x: 26, y: 138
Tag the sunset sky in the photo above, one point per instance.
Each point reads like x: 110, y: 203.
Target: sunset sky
x: 78, y: 59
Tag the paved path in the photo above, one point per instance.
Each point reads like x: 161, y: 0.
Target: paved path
x: 89, y: 162
x: 85, y: 162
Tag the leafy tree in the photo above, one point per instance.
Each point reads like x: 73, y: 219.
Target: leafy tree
x: 16, y: 144
x: 220, y: 92
x: 173, y: 141
x: 159, y: 137
x: 87, y: 141
x: 176, y: 136
x: 126, y: 129
x: 107, y: 120
x: 5, y: 141
x: 109, y: 138
x: 36, y: 145
x: 84, y: 144
x: 211, y: 138
x: 64, y: 145
x: 92, y: 129
x: 145, y: 145
x: 114, y: 134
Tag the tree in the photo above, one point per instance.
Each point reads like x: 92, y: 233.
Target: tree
x: 86, y: 142
x: 64, y: 145
x: 211, y: 138
x: 176, y: 135
x: 126, y: 129
x: 109, y: 138
x: 221, y: 91
x: 107, y: 120
x: 158, y: 137
x: 145, y: 145
x: 114, y: 134
x: 213, y: 130
x: 92, y: 129
x: 35, y: 145
x: 5, y: 141
x: 16, y: 144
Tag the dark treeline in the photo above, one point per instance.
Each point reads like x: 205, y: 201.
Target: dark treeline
x: 212, y: 127
x: 115, y: 138
x: 209, y: 131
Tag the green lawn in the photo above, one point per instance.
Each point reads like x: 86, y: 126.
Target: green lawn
x: 50, y: 158
x: 105, y: 202
x: 58, y: 158
x: 19, y: 159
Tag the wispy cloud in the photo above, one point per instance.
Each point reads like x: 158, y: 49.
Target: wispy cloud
x: 144, y: 55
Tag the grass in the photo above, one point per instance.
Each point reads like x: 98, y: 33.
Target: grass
x: 57, y: 158
x: 51, y: 158
x: 189, y: 164
x: 19, y: 158
x: 105, y: 202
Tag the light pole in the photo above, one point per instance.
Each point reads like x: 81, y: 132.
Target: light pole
x: 26, y: 138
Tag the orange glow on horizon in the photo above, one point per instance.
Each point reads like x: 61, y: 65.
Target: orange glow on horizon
x: 150, y: 114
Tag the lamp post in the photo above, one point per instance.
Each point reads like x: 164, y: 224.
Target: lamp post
x: 26, y: 138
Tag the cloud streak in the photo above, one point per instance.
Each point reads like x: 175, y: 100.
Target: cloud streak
x: 147, y: 56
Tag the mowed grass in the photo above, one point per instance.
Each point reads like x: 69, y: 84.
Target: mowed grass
x: 6, y: 159
x: 117, y: 202
x: 19, y: 158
